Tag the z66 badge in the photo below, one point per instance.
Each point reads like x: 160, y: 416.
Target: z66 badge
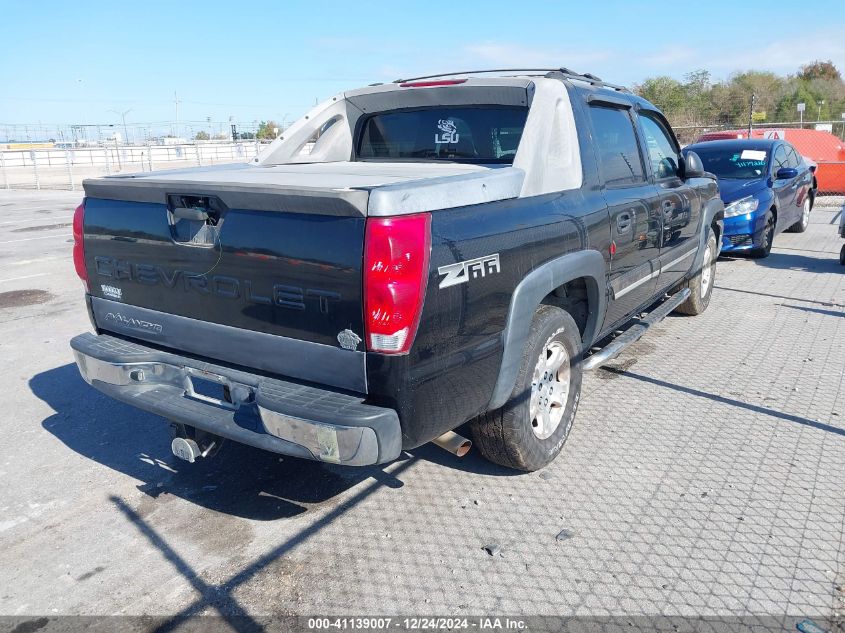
x: 470, y: 269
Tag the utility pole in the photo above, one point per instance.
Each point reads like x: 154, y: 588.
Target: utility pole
x: 123, y: 116
x: 751, y: 114
x: 176, y: 103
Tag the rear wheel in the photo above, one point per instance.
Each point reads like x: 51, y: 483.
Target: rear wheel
x: 766, y: 241
x: 842, y: 256
x: 701, y: 285
x: 801, y: 225
x: 530, y: 430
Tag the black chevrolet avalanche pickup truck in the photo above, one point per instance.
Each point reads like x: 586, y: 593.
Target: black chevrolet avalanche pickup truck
x: 405, y: 259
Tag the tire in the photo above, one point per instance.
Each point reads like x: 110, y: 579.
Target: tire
x: 801, y: 225
x: 765, y: 247
x: 701, y: 285
x: 842, y: 256
x: 518, y: 435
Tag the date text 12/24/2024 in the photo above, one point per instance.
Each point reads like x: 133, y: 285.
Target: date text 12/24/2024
x: 416, y: 624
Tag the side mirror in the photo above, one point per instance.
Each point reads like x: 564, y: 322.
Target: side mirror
x: 786, y: 173
x: 693, y: 167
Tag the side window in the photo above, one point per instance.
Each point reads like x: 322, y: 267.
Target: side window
x: 779, y: 159
x: 661, y: 149
x: 616, y: 145
x: 792, y: 159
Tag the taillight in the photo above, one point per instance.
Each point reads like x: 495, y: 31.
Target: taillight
x: 78, y: 246
x: 396, y: 252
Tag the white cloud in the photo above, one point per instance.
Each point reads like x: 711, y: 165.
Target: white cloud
x: 516, y: 55
x: 785, y: 55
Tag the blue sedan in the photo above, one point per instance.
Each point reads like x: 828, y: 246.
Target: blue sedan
x: 766, y: 186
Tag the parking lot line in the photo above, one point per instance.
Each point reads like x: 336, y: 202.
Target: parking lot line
x: 45, y: 217
x: 31, y: 239
x: 24, y: 262
x: 24, y: 277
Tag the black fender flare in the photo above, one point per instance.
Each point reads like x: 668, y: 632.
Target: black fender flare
x: 526, y: 298
x: 712, y: 212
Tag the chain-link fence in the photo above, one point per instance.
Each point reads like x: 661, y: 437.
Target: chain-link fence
x: 68, y: 153
x: 808, y: 113
x: 55, y: 168
x: 815, y: 142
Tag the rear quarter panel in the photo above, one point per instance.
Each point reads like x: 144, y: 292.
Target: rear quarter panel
x: 449, y: 374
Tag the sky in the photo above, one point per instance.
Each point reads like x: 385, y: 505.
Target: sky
x: 87, y: 62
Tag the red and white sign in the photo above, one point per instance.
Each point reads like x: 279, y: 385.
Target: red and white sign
x: 775, y: 135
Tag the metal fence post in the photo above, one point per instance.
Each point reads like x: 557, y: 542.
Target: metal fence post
x: 69, y: 165
x: 3, y: 169
x: 150, y: 155
x: 108, y: 166
x: 35, y: 169
x: 197, y: 150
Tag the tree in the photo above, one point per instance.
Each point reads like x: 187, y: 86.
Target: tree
x: 266, y: 130
x: 202, y: 135
x: 666, y: 93
x: 787, y: 107
x: 820, y: 70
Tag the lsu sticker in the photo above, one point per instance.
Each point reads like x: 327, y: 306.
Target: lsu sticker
x: 448, y: 132
x: 462, y: 272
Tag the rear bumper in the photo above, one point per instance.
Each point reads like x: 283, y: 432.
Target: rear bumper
x: 271, y: 414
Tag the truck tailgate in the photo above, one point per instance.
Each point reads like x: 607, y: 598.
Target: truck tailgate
x: 251, y: 287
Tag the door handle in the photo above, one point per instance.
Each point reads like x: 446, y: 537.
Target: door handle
x: 623, y: 222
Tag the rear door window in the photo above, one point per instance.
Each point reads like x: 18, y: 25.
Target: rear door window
x: 792, y: 159
x: 779, y: 160
x: 616, y: 146
x: 476, y: 134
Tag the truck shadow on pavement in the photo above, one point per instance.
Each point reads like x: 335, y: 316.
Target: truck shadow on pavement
x: 240, y: 481
x: 828, y: 304
x: 787, y: 417
x: 781, y: 260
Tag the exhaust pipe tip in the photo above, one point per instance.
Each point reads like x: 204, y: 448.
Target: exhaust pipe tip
x: 454, y: 443
x: 463, y: 449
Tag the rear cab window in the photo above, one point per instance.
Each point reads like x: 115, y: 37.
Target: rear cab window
x: 469, y: 134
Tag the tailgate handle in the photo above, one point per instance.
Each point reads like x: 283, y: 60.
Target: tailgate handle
x: 188, y: 213
x: 195, y: 219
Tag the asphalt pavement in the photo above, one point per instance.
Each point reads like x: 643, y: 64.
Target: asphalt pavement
x: 705, y: 476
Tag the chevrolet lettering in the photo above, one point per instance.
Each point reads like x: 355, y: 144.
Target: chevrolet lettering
x: 225, y: 287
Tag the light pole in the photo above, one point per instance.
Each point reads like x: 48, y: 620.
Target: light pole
x: 123, y: 117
